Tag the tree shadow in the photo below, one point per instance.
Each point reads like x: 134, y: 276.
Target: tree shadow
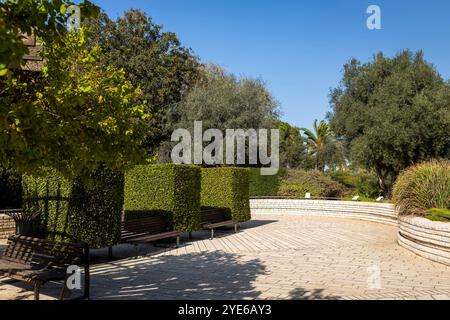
x: 314, y: 294
x: 216, y: 275
x: 256, y: 223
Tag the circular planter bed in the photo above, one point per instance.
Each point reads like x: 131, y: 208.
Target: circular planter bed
x: 429, y: 239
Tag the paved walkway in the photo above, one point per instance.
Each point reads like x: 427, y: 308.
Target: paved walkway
x: 273, y: 257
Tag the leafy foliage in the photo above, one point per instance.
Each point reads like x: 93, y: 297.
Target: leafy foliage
x: 436, y: 214
x: 298, y: 182
x: 70, y: 209
x: 392, y: 112
x: 152, y: 59
x: 223, y: 102
x: 362, y: 182
x: 227, y: 188
x: 322, y: 146
x: 165, y: 189
x: 423, y: 186
x: 73, y: 116
x: 47, y: 19
x: 261, y: 186
x: 292, y: 148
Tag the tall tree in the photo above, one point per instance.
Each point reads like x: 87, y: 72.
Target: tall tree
x: 392, y: 112
x: 322, y: 145
x: 154, y: 60
x: 223, y: 101
x: 292, y: 147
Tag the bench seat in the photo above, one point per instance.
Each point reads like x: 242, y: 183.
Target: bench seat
x: 139, y: 237
x: 213, y: 218
x: 147, y: 229
x: 37, y: 261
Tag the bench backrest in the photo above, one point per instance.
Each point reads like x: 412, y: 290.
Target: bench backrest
x: 153, y: 224
x: 45, y: 252
x: 213, y: 215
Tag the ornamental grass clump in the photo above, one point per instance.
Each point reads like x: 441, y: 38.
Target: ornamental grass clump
x: 423, y: 186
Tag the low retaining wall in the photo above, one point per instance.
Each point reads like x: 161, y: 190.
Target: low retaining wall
x: 429, y: 239
x: 371, y: 211
x: 7, y: 226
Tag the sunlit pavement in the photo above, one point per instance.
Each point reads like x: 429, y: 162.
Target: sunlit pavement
x: 272, y: 257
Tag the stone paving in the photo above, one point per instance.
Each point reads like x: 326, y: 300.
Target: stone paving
x: 273, y: 257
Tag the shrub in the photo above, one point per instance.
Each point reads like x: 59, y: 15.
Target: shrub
x: 260, y: 186
x: 436, y: 214
x: 298, y: 182
x: 360, y: 182
x: 227, y: 188
x: 72, y: 209
x: 165, y: 189
x: 423, y: 186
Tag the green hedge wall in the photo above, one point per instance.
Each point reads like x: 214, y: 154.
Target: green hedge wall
x: 261, y: 186
x: 72, y: 210
x: 227, y: 188
x: 170, y: 188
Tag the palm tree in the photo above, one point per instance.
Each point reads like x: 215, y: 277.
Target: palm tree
x: 318, y: 140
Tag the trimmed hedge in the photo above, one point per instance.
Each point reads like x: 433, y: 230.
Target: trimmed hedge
x: 261, y: 186
x: 71, y: 209
x: 165, y: 188
x: 227, y: 188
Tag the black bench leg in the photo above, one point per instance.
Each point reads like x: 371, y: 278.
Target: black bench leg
x: 212, y: 234
x: 136, y: 250
x: 63, y: 291
x: 235, y: 228
x: 178, y: 242
x: 37, y: 288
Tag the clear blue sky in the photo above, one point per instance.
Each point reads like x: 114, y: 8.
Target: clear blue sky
x: 299, y: 47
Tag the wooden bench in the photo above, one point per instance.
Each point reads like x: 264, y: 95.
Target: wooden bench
x: 37, y: 261
x: 147, y: 229
x: 213, y: 218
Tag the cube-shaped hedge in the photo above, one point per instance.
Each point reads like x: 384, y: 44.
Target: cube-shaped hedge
x: 227, y: 188
x: 73, y: 210
x: 165, y: 188
x: 263, y: 185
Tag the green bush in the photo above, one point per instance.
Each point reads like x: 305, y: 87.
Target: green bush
x: 72, y: 209
x: 298, y: 182
x: 227, y: 188
x: 165, y: 189
x: 435, y: 214
x: 260, y: 186
x: 360, y: 182
x: 423, y: 186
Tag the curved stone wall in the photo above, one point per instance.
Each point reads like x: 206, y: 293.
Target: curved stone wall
x: 371, y: 211
x: 429, y: 239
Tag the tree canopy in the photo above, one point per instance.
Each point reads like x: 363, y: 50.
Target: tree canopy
x: 74, y: 115
x: 392, y: 112
x: 46, y: 18
x: 292, y: 147
x: 152, y: 59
